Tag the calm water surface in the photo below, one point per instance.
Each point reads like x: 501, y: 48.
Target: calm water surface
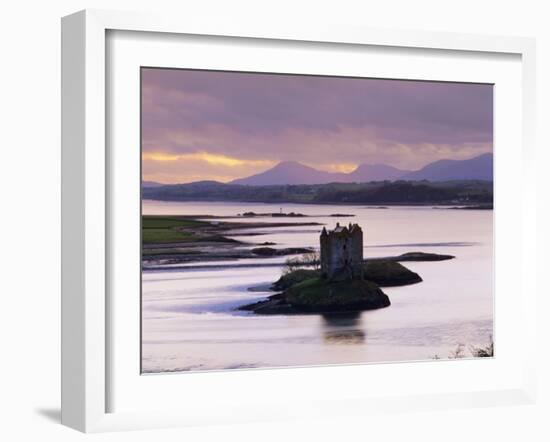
x: 190, y: 322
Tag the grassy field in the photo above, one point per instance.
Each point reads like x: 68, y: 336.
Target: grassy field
x: 162, y: 229
x: 154, y: 236
x: 165, y: 222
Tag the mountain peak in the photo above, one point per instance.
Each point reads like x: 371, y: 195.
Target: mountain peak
x: 376, y: 172
x: 289, y: 172
x: 290, y: 164
x: 477, y: 168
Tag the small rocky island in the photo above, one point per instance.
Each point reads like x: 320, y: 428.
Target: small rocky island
x: 345, y: 282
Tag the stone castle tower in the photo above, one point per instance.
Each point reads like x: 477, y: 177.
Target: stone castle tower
x: 342, y: 252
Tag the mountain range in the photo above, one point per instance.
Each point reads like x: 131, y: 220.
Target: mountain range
x: 292, y: 172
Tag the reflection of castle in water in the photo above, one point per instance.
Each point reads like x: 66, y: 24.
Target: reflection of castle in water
x: 343, y: 328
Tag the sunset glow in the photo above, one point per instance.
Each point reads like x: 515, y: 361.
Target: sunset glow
x: 214, y: 159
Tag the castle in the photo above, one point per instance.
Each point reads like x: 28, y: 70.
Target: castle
x: 342, y: 252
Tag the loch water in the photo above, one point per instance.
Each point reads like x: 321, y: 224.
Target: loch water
x: 189, y: 321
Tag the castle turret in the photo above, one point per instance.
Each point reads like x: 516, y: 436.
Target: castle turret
x: 342, y: 252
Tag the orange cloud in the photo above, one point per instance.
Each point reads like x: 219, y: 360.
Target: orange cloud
x: 167, y: 167
x: 336, y: 167
x: 210, y: 158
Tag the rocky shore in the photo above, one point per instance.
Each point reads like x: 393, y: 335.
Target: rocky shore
x: 317, y: 295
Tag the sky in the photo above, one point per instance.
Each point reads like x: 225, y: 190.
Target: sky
x: 213, y: 125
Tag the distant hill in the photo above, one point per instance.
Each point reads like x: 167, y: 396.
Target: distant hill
x: 290, y: 172
x: 478, y: 168
x: 151, y: 184
x: 380, y: 192
x: 375, y: 172
x: 294, y: 173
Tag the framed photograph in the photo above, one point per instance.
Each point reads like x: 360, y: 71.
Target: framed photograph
x: 262, y: 222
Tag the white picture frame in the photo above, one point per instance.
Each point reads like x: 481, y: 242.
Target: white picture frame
x: 85, y: 212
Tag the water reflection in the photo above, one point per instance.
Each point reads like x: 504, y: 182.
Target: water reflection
x: 343, y: 328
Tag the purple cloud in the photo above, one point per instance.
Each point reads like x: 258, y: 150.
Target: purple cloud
x: 282, y: 117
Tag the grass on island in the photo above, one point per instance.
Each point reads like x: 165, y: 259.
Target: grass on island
x: 385, y: 273
x: 162, y: 229
x: 321, y: 294
x: 290, y: 278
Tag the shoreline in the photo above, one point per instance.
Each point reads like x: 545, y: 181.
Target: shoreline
x: 381, y: 205
x: 405, y: 257
x: 178, y: 239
